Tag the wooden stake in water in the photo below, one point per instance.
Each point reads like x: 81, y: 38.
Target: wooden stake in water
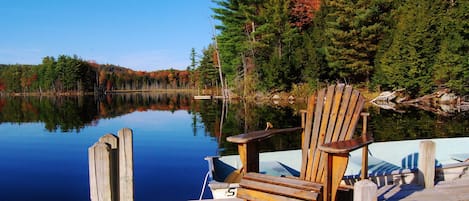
x: 113, y: 142
x: 100, y: 172
x: 126, y: 165
x: 111, y: 167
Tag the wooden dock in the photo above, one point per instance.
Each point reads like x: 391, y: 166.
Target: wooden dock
x: 111, y: 167
x: 204, y: 97
x: 453, y: 187
x: 454, y: 190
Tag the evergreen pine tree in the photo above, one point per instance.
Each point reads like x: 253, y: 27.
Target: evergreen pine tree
x: 451, y: 68
x: 408, y: 61
x: 354, y: 29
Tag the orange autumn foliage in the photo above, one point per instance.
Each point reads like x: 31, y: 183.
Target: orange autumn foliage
x: 302, y: 12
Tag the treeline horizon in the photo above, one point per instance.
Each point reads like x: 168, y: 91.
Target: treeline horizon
x: 71, y: 74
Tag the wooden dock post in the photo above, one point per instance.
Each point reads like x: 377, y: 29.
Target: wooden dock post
x: 365, y: 190
x: 111, y: 167
x: 126, y: 165
x: 426, y: 164
x: 100, y: 172
x: 113, y: 143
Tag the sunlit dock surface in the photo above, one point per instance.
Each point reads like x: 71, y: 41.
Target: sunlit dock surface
x: 457, y: 189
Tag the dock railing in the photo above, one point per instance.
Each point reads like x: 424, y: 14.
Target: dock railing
x: 111, y: 167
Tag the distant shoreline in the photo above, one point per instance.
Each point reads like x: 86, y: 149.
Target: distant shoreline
x: 71, y: 93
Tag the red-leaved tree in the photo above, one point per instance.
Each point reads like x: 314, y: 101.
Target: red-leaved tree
x: 302, y: 12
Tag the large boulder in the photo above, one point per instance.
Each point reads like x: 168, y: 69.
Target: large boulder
x: 385, y: 96
x: 448, y: 98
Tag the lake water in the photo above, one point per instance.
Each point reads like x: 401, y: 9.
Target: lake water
x: 40, y: 164
x: 44, y: 141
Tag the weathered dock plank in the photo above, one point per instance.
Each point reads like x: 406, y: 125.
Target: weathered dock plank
x: 397, y: 192
x: 454, y: 190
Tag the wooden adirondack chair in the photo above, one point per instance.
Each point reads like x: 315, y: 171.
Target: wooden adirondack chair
x: 328, y: 126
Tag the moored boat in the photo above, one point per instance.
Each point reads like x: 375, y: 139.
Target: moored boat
x: 393, y: 162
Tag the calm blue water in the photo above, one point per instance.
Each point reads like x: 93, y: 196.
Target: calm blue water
x: 36, y: 164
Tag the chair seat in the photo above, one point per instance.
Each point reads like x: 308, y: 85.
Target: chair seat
x: 277, y: 188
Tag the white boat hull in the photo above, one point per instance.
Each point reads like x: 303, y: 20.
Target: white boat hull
x: 389, y: 163
x: 223, y: 190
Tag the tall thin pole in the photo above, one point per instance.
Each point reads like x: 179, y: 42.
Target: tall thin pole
x: 218, y: 62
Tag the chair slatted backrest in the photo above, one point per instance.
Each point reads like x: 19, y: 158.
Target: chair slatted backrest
x: 332, y: 115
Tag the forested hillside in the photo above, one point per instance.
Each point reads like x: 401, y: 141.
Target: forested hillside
x: 272, y: 45
x: 68, y: 74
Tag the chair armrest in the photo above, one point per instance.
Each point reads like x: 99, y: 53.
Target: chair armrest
x: 259, y: 135
x: 346, y: 146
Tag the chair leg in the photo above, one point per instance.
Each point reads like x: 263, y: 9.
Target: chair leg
x: 328, y: 185
x: 364, y: 173
x: 336, y: 165
x: 249, y: 156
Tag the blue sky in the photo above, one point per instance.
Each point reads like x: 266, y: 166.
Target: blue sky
x: 140, y: 34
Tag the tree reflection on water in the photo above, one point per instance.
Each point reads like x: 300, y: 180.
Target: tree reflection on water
x: 219, y: 119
